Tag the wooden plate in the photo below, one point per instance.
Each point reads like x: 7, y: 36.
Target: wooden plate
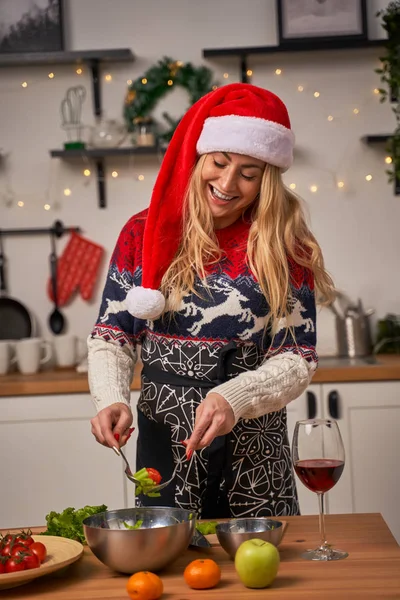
x: 60, y: 553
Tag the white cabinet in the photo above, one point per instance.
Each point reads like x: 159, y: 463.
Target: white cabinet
x: 50, y: 460
x: 369, y: 421
x: 368, y: 415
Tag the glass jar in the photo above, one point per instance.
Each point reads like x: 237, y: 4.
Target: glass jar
x: 107, y: 133
x: 144, y: 132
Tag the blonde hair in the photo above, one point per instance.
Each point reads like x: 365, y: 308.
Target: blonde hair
x: 278, y: 231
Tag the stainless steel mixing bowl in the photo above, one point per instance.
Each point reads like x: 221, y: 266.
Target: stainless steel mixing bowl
x: 164, y: 534
x: 232, y: 533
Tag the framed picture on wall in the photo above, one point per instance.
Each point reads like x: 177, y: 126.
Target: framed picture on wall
x: 300, y: 22
x: 27, y: 26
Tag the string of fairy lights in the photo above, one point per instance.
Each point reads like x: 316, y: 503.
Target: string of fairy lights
x: 300, y: 88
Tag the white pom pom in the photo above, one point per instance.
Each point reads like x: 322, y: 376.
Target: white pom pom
x: 145, y: 303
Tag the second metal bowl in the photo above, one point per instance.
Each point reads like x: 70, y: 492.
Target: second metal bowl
x: 232, y: 533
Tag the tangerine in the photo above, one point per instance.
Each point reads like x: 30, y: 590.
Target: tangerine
x: 202, y: 574
x: 144, y: 585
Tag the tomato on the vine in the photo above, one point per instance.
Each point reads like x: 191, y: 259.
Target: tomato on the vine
x: 7, y: 538
x: 39, y: 549
x: 24, y: 538
x: 31, y: 560
x: 15, y: 564
x: 6, y: 549
x: 18, y: 550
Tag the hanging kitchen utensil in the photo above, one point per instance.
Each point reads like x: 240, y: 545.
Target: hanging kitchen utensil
x: 56, y: 318
x: 16, y: 322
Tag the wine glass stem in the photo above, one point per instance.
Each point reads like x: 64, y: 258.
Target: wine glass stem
x: 322, y: 520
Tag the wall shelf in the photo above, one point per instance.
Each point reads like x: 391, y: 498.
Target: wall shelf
x: 25, y: 59
x: 309, y: 46
x: 99, y: 155
x: 103, y: 152
x: 305, y: 46
x: 379, y: 138
x: 93, y: 59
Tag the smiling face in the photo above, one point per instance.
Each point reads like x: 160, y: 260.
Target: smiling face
x: 231, y: 183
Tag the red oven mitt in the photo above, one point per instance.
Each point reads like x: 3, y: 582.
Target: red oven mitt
x: 77, y: 268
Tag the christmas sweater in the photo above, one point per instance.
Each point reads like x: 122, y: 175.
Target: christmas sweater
x: 230, y: 308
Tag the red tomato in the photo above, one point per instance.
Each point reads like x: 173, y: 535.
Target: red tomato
x: 39, y: 549
x: 154, y: 475
x: 15, y: 564
x: 6, y: 550
x: 31, y: 560
x: 3, y: 561
x: 24, y: 538
x: 7, y: 538
x: 18, y: 549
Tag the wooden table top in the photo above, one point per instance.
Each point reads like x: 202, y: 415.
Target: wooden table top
x: 68, y: 381
x: 372, y: 569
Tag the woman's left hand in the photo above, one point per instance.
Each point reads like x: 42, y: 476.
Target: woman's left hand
x: 214, y: 417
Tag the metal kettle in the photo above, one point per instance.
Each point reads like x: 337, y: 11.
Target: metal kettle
x: 353, y: 331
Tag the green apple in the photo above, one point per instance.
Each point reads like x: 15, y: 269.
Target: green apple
x: 257, y: 563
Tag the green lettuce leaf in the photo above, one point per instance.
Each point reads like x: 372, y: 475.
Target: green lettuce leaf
x: 68, y: 523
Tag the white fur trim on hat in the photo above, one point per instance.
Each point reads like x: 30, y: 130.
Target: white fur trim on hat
x: 145, y: 303
x: 266, y: 140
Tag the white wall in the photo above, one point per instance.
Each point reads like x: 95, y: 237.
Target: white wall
x: 357, y: 226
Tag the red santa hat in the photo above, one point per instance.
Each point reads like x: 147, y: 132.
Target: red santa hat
x: 238, y: 118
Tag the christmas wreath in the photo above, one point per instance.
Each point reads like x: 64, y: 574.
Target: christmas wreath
x: 145, y: 92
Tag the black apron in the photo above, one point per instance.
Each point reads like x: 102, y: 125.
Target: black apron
x: 245, y: 473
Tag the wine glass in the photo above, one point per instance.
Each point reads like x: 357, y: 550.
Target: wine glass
x: 318, y: 459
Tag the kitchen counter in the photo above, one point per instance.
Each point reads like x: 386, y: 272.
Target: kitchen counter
x: 58, y: 381
x: 372, y: 569
x: 384, y: 367
x: 68, y: 381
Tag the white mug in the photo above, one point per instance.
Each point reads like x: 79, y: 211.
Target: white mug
x: 7, y: 356
x: 69, y: 350
x: 29, y: 354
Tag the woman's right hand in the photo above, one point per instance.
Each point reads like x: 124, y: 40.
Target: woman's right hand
x: 115, y: 419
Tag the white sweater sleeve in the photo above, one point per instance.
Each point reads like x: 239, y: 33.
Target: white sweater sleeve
x: 278, y: 381
x: 110, y: 372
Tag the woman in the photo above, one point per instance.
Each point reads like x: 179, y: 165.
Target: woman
x: 215, y: 281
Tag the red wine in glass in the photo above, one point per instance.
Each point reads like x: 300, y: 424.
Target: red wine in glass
x: 319, y: 474
x: 318, y: 459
